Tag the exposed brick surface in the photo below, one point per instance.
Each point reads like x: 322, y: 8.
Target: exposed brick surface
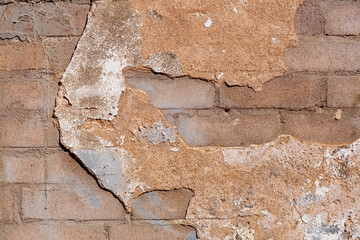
x: 219, y: 129
x: 343, y: 91
x: 21, y: 128
x: 325, y: 56
x: 279, y: 93
x: 59, y: 52
x: 162, y: 205
x: 70, y: 203
x: 152, y: 232
x: 23, y: 166
x: 308, y: 20
x: 54, y: 231
x: 30, y: 94
x: 47, y: 19
x: 174, y: 93
x: 62, y: 168
x: 342, y: 18
x: 7, y: 205
x: 322, y: 126
x: 16, y: 55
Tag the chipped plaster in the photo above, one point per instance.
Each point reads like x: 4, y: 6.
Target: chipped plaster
x: 251, y: 192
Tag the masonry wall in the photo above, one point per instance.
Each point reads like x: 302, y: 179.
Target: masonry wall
x: 46, y: 194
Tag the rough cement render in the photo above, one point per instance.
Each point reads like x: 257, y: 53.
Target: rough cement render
x: 284, y: 189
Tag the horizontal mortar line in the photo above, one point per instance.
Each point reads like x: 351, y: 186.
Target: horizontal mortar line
x: 305, y: 73
x: 72, y: 220
x: 40, y: 185
x: 60, y: 36
x: 30, y: 148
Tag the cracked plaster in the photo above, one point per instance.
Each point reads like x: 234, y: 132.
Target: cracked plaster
x: 284, y: 189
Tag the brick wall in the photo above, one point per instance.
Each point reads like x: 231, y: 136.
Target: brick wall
x: 317, y: 100
x: 46, y: 194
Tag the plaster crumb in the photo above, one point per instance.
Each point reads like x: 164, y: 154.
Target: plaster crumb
x: 337, y: 114
x: 174, y: 149
x: 220, y: 75
x: 208, y: 23
x: 235, y: 10
x: 274, y: 41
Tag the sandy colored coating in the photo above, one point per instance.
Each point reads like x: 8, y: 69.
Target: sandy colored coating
x: 238, y: 42
x: 284, y: 189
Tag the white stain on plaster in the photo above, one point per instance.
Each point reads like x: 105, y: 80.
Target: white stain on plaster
x: 235, y: 10
x: 174, y: 149
x: 320, y: 191
x: 208, y: 22
x: 319, y: 230
x: 156, y: 133
x: 240, y: 232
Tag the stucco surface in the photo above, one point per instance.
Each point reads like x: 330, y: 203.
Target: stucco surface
x: 284, y: 189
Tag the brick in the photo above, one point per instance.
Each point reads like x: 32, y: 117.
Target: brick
x: 322, y: 126
x: 343, y: 91
x: 21, y: 128
x: 324, y: 56
x: 59, y: 52
x: 219, y: 129
x: 62, y: 168
x: 165, y: 92
x: 68, y: 231
x: 77, y: 203
x: 294, y: 93
x: 342, y: 19
x: 308, y: 20
x: 152, y: 232
x: 26, y: 21
x: 24, y: 75
x: 23, y: 166
x: 31, y: 94
x: 16, y: 55
x: 7, y: 205
x: 162, y: 205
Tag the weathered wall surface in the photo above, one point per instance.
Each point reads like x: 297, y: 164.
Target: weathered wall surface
x: 284, y: 189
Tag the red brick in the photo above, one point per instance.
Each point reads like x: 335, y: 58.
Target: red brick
x: 23, y: 166
x: 16, y: 55
x: 95, y: 231
x: 322, y: 126
x: 31, y: 94
x: 59, y: 51
x: 343, y: 91
x: 152, y: 232
x: 62, y: 168
x: 308, y: 20
x: 21, y: 128
x: 162, y: 205
x: 77, y: 203
x: 236, y: 129
x: 165, y: 92
x: 325, y: 56
x: 294, y: 93
x: 7, y: 205
x: 342, y: 19
x: 23, y: 75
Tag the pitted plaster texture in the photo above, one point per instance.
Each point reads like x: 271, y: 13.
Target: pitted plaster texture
x: 284, y: 189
